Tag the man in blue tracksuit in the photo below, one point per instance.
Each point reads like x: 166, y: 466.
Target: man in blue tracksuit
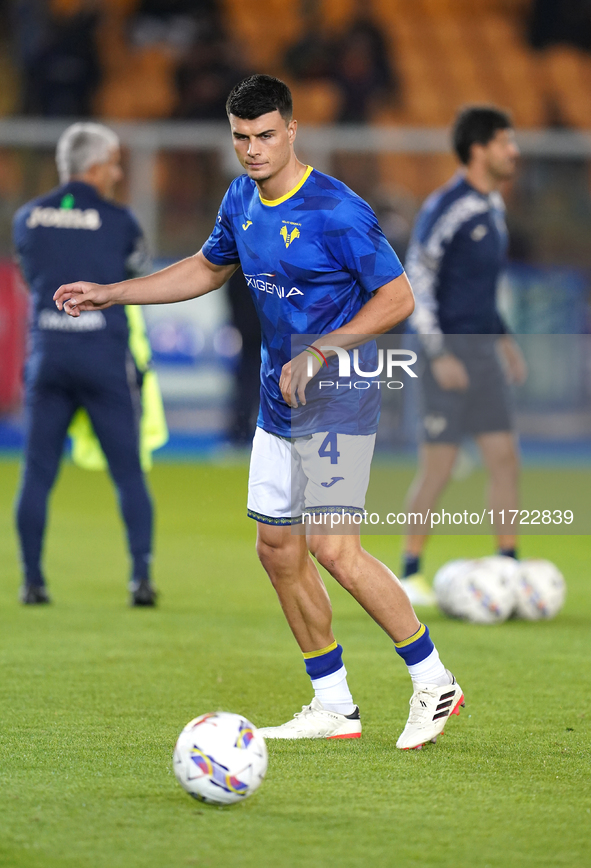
x: 455, y: 258
x: 81, y: 363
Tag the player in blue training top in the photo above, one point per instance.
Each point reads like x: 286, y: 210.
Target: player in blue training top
x: 76, y: 230
x: 317, y: 263
x: 455, y: 258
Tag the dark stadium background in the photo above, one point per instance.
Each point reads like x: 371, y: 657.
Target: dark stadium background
x: 375, y: 88
x: 93, y: 693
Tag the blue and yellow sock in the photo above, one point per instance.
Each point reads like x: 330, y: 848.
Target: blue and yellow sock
x: 329, y: 678
x: 422, y: 658
x: 324, y: 662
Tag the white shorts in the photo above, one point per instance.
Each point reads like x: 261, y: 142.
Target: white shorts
x: 320, y: 473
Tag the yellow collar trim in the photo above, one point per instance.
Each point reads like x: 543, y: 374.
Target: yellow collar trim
x: 273, y: 202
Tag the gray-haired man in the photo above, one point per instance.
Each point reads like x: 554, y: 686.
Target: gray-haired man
x: 77, y: 229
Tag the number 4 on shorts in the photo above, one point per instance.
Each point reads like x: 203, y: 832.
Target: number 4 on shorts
x: 329, y: 449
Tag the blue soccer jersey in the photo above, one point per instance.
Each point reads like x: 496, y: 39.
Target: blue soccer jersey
x: 311, y: 259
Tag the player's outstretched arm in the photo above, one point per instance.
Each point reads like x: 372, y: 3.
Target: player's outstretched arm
x: 186, y: 279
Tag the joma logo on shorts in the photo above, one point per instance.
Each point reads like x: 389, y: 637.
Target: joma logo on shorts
x: 434, y: 424
x: 332, y: 481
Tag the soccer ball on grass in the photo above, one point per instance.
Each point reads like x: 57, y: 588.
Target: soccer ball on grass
x: 220, y: 758
x: 444, y: 585
x: 540, y: 590
x: 480, y: 591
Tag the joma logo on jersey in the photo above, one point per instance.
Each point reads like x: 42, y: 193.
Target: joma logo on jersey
x: 288, y: 236
x: 246, y: 225
x: 257, y: 281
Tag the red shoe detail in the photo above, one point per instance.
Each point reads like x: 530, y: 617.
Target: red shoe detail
x: 460, y: 703
x: 352, y: 735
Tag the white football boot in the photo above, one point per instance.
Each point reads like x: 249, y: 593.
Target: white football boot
x: 418, y: 591
x: 430, y: 708
x: 314, y: 721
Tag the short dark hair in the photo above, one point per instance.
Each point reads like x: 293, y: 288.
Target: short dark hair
x: 477, y: 124
x: 258, y: 95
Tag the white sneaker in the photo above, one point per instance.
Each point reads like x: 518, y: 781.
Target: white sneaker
x: 314, y: 721
x: 418, y: 591
x: 430, y: 708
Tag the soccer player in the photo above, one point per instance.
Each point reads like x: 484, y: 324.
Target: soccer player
x: 76, y: 230
x: 317, y: 263
x: 455, y: 257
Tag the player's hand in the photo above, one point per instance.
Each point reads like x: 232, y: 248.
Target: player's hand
x: 295, y: 377
x: 450, y: 373
x: 513, y: 361
x: 79, y: 296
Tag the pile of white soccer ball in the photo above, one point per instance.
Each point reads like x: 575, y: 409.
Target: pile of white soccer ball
x: 490, y: 590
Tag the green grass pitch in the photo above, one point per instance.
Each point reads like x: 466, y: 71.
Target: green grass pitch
x: 93, y: 695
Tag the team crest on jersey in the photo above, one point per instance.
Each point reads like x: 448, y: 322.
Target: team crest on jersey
x: 289, y: 235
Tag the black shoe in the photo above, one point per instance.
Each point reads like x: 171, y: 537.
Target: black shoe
x: 142, y: 593
x: 30, y: 595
